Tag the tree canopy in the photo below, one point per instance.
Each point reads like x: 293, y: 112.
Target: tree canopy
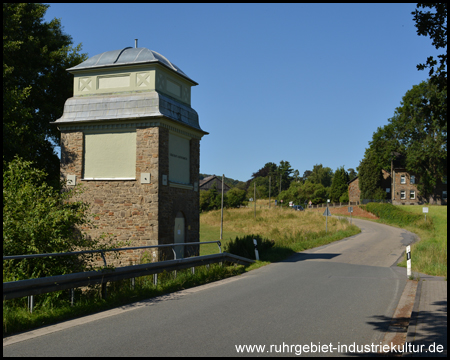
x: 418, y: 132
x: 36, y: 84
x: 434, y: 24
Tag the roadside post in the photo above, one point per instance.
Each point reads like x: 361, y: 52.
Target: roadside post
x: 221, y: 211
x: 256, y: 249
x: 425, y: 211
x: 408, y: 261
x: 350, y: 210
x: 327, y: 213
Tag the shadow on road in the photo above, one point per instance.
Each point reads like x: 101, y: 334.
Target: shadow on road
x: 430, y: 332
x: 305, y: 256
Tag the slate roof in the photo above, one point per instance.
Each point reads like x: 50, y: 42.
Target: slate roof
x: 122, y: 107
x: 127, y: 56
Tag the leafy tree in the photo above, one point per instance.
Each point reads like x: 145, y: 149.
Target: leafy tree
x: 421, y: 130
x: 434, y: 25
x: 370, y: 176
x: 339, y: 184
x: 36, y: 84
x: 418, y: 132
x: 236, y: 197
x: 211, y: 199
x: 39, y: 219
x: 306, y: 175
x: 352, y: 173
x: 268, y: 169
x: 284, y: 172
x: 321, y: 175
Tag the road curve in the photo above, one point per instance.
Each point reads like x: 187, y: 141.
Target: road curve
x: 340, y: 294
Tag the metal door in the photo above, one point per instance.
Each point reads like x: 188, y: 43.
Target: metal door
x: 179, y: 234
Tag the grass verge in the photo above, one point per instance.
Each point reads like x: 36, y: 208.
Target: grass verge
x: 56, y: 308
x: 429, y: 255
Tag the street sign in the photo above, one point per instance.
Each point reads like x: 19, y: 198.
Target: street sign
x: 350, y: 209
x: 327, y: 212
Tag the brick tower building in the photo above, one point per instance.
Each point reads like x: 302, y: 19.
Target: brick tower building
x: 130, y: 136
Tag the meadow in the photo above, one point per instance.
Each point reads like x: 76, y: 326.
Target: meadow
x: 429, y: 255
x: 290, y: 231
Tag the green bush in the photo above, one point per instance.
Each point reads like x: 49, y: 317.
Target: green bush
x: 39, y: 219
x: 395, y: 215
x: 243, y: 246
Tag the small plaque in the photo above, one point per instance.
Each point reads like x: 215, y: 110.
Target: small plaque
x: 71, y: 180
x: 350, y: 209
x: 145, y: 178
x: 425, y: 210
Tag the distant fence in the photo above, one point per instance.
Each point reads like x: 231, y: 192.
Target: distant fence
x: 366, y: 201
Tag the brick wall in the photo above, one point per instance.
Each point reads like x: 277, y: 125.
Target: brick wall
x: 354, y: 192
x: 142, y: 214
x: 398, y: 187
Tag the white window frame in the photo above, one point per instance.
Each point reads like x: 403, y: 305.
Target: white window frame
x: 403, y: 194
x: 402, y: 179
x: 412, y: 194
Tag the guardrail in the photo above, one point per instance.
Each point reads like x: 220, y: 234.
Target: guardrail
x: 31, y: 287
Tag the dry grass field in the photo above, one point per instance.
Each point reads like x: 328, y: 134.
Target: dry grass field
x: 278, y: 224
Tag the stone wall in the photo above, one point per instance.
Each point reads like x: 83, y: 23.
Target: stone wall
x: 141, y: 214
x: 354, y: 192
x: 398, y: 187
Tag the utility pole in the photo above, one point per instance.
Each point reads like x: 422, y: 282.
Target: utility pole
x: 221, y: 215
x: 254, y: 196
x: 269, y: 192
x: 281, y: 205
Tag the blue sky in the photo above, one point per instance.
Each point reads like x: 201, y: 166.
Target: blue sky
x: 304, y: 83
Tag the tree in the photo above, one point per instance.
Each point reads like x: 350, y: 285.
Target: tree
x: 36, y: 84
x: 39, y: 219
x: 370, y: 176
x: 284, y: 172
x: 211, y: 199
x: 321, y: 175
x: 352, y: 173
x: 339, y: 184
x: 434, y: 25
x: 236, y: 197
x: 422, y: 133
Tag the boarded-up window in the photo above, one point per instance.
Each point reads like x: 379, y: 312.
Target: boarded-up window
x: 110, y: 155
x: 179, y: 159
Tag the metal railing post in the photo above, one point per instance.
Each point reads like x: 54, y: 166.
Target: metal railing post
x: 31, y: 303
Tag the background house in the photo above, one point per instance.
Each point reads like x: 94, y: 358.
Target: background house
x: 208, y: 182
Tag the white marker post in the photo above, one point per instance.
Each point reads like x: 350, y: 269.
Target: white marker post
x: 408, y: 261
x: 256, y: 249
x: 425, y: 211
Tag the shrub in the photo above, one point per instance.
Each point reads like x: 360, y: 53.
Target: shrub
x: 243, y: 246
x: 395, y: 215
x: 39, y: 219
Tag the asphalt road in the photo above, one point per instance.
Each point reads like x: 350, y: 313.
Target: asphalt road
x: 338, y: 295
